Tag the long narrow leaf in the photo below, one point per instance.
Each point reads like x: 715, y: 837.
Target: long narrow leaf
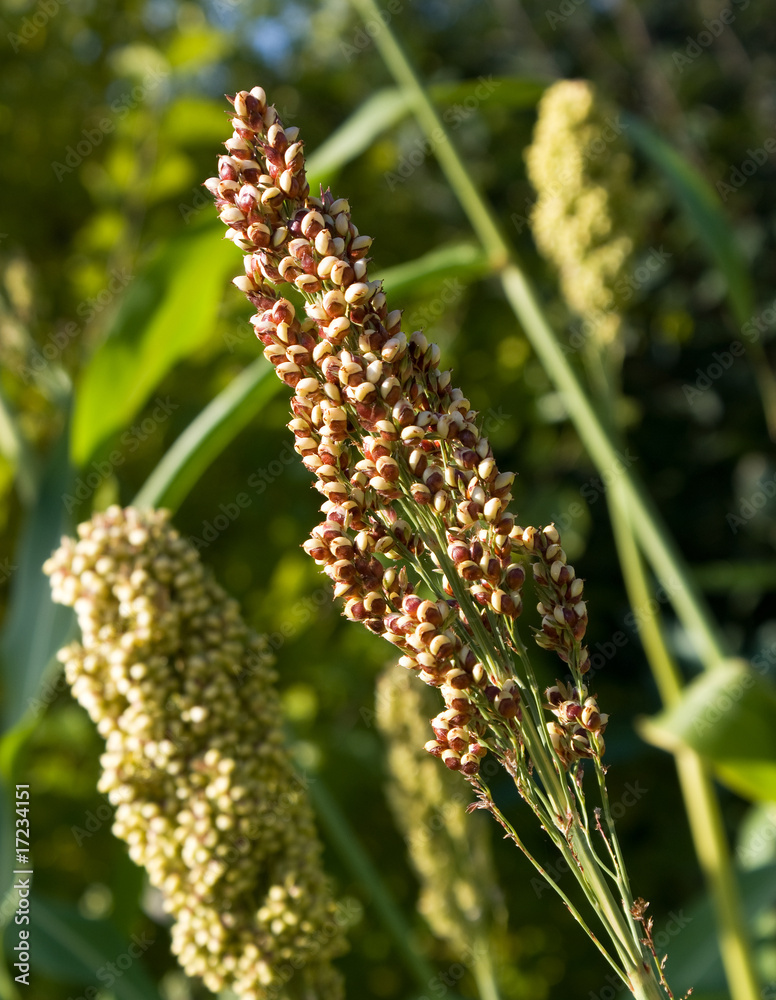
x: 726, y: 716
x: 463, y: 261
x: 72, y: 948
x: 207, y: 436
x: 35, y: 627
x: 169, y: 310
x: 376, y: 115
x: 702, y: 205
x: 386, y: 108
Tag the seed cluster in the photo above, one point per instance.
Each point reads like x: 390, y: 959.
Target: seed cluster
x: 450, y: 852
x: 578, y: 716
x: 194, y: 762
x: 586, y: 219
x: 398, y: 452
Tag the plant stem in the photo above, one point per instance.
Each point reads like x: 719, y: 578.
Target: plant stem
x: 701, y: 803
x: 482, y: 970
x: 663, y: 555
x: 366, y: 874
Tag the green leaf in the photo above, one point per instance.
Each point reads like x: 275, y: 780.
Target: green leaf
x: 376, y: 115
x: 35, y: 627
x: 691, y: 936
x: 507, y: 91
x: 193, y: 121
x: 462, y: 260
x: 703, y: 206
x: 386, y: 108
x: 70, y: 947
x: 168, y: 311
x: 207, y: 436
x: 726, y: 716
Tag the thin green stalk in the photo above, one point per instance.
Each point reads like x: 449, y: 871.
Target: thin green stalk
x: 484, y: 973
x: 701, y: 803
x: 664, y: 556
x: 365, y: 872
x: 487, y: 800
x: 565, y: 826
x: 562, y: 821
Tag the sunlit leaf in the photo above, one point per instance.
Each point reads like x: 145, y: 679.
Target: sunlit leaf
x: 380, y: 112
x: 168, y: 311
x: 726, y: 715
x: 207, y: 436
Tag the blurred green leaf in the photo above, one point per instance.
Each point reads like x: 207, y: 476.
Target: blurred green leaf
x: 376, y: 115
x: 192, y: 121
x: 207, y: 436
x: 756, y: 837
x: 691, y: 936
x: 169, y: 310
x: 35, y: 627
x: 386, y: 108
x: 507, y: 91
x: 461, y: 260
x: 71, y: 947
x: 702, y: 205
x: 726, y: 716
x: 197, y: 47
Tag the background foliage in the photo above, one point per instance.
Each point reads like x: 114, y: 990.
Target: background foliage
x: 118, y: 326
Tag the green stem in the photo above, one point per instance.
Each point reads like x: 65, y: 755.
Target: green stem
x: 653, y: 536
x: 701, y: 803
x: 483, y: 972
x: 367, y: 875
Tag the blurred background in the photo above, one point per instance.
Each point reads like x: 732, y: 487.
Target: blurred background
x: 111, y: 116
